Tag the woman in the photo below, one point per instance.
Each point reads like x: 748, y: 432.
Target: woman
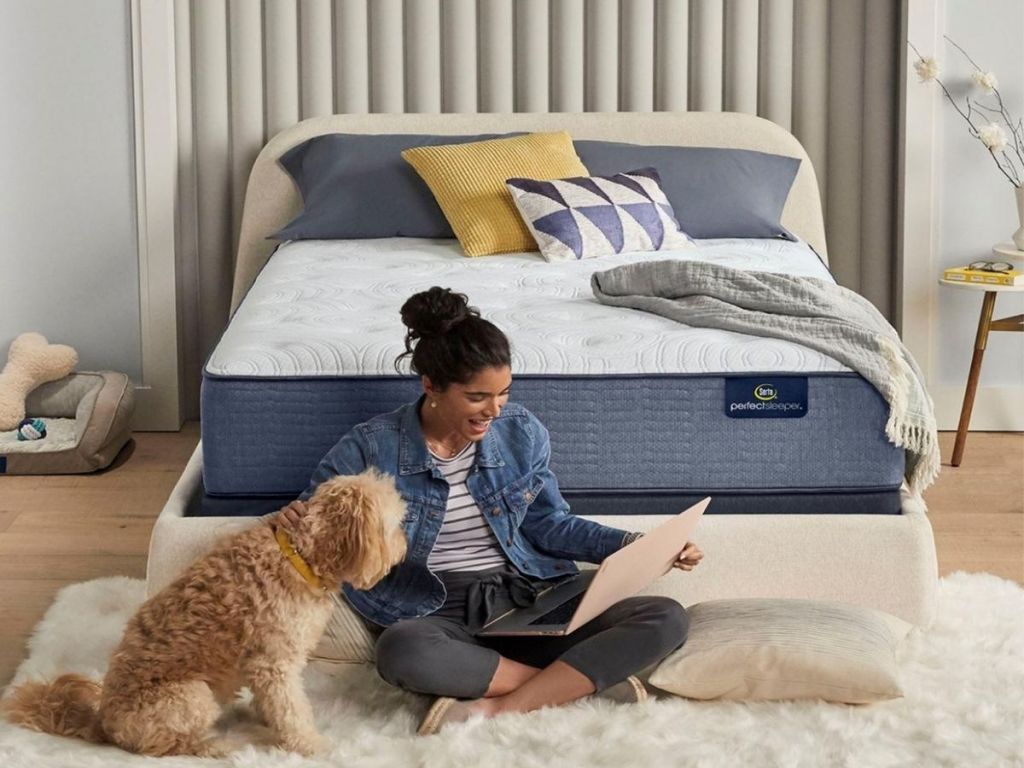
x: 487, y: 529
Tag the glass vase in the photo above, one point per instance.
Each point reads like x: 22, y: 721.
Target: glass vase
x: 1018, y: 236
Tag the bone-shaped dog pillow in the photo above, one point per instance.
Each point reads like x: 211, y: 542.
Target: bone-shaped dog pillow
x: 32, y: 361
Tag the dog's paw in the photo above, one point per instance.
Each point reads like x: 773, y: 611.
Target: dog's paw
x: 215, y: 747
x: 307, y: 744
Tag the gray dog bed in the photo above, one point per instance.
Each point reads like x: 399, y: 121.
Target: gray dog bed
x: 88, y: 421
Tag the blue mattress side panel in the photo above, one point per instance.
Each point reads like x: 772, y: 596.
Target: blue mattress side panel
x: 266, y: 436
x: 669, y: 432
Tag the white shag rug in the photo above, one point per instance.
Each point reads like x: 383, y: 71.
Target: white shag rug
x: 964, y: 706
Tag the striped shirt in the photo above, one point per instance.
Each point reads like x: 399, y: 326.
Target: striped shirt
x: 465, y: 541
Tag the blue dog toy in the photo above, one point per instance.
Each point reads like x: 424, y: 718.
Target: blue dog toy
x: 32, y: 429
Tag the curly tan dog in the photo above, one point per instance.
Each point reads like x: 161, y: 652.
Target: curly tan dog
x: 244, y: 614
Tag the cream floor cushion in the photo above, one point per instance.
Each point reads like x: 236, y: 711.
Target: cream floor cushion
x: 767, y: 648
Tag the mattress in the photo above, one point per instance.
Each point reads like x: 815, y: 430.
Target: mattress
x: 639, y: 407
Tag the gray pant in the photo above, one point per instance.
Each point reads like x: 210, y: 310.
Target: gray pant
x: 441, y: 656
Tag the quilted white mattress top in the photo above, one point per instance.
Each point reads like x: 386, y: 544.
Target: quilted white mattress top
x: 331, y: 308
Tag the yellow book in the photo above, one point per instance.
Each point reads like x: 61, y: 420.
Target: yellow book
x: 967, y: 275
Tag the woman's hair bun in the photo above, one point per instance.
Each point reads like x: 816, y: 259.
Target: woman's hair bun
x: 435, y: 312
x: 447, y: 339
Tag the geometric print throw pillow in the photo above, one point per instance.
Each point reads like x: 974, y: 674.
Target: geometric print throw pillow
x: 590, y: 216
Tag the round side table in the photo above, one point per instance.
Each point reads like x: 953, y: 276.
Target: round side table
x: 1002, y: 252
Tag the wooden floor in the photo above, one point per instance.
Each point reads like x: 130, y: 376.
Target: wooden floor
x: 58, y: 530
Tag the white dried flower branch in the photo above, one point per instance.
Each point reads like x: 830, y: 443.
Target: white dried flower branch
x: 988, y: 83
x: 992, y: 135
x: 927, y: 69
x: 985, y: 80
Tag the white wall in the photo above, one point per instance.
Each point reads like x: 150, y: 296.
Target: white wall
x: 69, y: 255
x: 976, y: 202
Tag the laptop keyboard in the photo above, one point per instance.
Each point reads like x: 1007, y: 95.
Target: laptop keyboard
x: 562, y: 613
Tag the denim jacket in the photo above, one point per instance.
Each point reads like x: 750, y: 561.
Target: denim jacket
x: 510, y: 482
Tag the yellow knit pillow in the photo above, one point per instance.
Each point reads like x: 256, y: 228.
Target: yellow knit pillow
x: 468, y: 181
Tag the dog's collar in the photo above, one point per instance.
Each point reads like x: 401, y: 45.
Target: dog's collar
x: 285, y: 543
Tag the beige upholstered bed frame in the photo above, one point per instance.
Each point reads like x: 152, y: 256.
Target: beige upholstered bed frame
x: 882, y: 561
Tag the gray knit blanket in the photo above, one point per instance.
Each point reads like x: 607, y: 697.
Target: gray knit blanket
x: 815, y: 313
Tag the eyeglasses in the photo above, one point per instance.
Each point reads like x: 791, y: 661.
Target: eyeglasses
x: 991, y: 266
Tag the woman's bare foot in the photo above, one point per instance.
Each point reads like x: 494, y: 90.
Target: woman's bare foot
x: 557, y: 684
x: 446, y: 710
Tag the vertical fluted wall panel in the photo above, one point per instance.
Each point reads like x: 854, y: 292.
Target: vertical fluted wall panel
x: 602, y: 60
x: 387, y: 63
x: 250, y: 68
x: 741, y: 25
x: 879, y: 117
x: 532, y: 63
x: 497, y: 56
x: 706, y: 22
x: 316, y: 59
x: 672, y: 49
x: 637, y: 67
x: 567, y: 51
x: 187, y: 221
x: 281, y: 69
x: 845, y: 147
x: 423, y: 56
x: 352, y: 57
x: 810, y: 85
x: 775, y: 62
x: 245, y: 49
x: 213, y: 166
x: 458, y: 24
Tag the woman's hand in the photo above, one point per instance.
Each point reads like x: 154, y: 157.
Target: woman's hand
x: 292, y: 514
x: 689, y: 558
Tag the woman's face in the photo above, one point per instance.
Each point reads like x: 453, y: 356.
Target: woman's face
x: 468, y: 409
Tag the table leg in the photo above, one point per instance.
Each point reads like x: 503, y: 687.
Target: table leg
x: 980, y: 341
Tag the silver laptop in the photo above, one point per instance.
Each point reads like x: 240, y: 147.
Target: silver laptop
x: 567, y: 606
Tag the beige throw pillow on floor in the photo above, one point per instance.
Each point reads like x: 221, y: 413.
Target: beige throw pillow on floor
x: 785, y: 649
x: 346, y: 638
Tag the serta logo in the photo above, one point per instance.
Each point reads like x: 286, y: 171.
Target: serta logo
x: 750, y: 398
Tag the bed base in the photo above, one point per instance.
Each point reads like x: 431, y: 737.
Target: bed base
x: 887, y: 562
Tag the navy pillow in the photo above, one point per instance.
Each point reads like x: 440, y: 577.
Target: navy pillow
x: 715, y: 192
x: 358, y: 186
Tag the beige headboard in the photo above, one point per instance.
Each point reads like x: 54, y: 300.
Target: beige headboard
x: 271, y: 199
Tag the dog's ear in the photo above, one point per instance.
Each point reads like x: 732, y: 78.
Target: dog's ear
x: 359, y: 538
